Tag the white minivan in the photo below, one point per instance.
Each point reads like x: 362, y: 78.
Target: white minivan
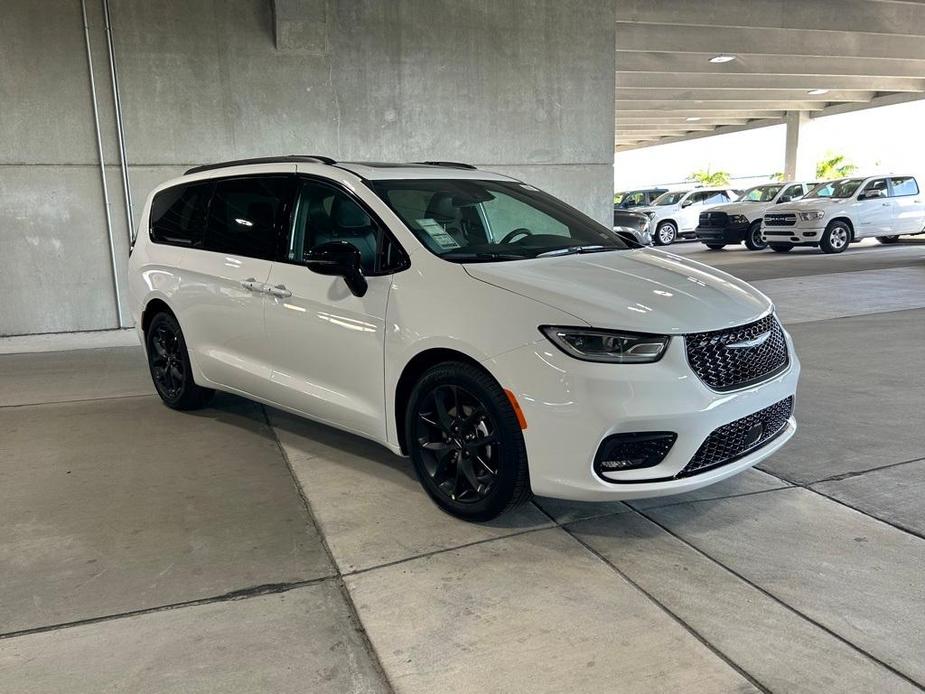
x: 835, y: 214
x: 506, y: 342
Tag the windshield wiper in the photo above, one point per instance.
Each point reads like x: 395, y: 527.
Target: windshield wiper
x: 571, y: 250
x: 481, y: 256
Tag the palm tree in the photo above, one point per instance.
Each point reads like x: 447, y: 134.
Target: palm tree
x: 778, y: 176
x: 710, y: 178
x: 834, y: 166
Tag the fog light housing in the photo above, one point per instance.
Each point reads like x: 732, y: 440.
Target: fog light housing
x: 634, y: 451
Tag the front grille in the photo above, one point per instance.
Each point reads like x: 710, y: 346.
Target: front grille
x: 713, y: 219
x: 738, y: 357
x: 783, y: 219
x: 736, y: 439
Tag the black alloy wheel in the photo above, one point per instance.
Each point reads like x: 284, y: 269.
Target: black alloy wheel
x: 170, y: 366
x: 465, y: 442
x: 753, y: 240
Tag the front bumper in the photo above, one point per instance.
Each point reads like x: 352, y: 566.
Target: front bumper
x: 731, y: 233
x: 571, y: 406
x: 795, y: 234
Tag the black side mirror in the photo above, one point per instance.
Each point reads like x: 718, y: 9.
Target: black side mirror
x: 784, y: 198
x: 687, y: 203
x: 871, y: 194
x: 340, y: 259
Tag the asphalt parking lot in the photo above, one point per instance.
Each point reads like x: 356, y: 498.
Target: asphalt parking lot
x: 240, y: 549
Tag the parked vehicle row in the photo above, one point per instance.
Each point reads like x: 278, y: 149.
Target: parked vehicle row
x: 504, y: 341
x: 740, y: 221
x: 829, y: 215
x: 675, y: 214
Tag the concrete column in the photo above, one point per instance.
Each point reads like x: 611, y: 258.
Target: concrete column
x: 796, y: 165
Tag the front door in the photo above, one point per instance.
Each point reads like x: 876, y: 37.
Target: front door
x: 873, y: 216
x: 908, y: 205
x: 328, y: 344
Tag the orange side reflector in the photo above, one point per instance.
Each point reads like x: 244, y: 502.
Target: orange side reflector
x: 516, y: 405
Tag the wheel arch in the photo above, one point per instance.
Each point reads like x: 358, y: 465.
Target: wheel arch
x: 410, y: 375
x: 154, y: 306
x: 847, y: 221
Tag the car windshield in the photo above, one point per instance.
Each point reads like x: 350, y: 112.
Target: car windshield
x: 765, y: 193
x: 486, y: 221
x: 835, y: 189
x: 669, y: 198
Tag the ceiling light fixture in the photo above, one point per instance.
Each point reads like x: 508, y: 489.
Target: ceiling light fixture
x: 692, y: 119
x: 722, y: 58
x: 817, y: 92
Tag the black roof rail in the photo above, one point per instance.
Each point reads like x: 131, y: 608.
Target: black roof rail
x: 286, y: 159
x: 449, y: 164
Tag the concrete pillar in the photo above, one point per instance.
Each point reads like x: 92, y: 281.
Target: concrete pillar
x: 796, y: 164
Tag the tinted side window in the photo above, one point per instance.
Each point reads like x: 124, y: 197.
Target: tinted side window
x: 178, y: 214
x: 876, y: 184
x: 249, y: 216
x: 793, y: 191
x: 904, y: 185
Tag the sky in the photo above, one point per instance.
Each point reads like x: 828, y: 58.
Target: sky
x: 878, y: 140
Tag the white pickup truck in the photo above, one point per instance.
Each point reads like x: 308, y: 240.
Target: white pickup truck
x: 676, y: 213
x: 836, y: 213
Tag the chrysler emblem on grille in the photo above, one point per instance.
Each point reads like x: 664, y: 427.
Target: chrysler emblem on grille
x: 748, y: 344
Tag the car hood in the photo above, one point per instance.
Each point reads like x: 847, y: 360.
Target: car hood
x: 811, y: 204
x: 641, y: 290
x: 749, y: 209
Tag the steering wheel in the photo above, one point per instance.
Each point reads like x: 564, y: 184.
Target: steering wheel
x: 520, y: 231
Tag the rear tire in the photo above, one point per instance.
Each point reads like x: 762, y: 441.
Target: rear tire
x: 665, y: 234
x: 169, y: 364
x: 781, y: 247
x: 716, y: 246
x: 888, y: 239
x: 835, y: 238
x: 452, y: 409
x: 753, y: 240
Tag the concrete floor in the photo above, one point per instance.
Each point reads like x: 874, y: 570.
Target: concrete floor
x: 241, y: 549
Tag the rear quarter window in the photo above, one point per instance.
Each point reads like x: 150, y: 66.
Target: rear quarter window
x: 178, y: 214
x: 904, y: 185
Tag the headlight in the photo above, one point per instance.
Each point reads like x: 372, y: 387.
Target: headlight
x: 611, y: 346
x: 738, y: 219
x: 811, y: 215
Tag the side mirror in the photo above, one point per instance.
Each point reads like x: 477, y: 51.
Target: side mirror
x: 870, y: 194
x: 340, y: 259
x: 784, y: 198
x: 687, y: 203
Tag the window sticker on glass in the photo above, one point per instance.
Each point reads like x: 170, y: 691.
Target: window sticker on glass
x: 437, y: 233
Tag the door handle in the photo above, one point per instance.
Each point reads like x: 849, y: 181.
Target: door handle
x: 279, y: 291
x: 252, y: 285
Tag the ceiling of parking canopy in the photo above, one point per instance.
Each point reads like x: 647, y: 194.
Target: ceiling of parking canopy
x: 693, y: 69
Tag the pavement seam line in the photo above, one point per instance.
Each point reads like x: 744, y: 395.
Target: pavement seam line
x: 684, y: 625
x: 786, y: 485
x: 79, y: 400
x: 779, y: 601
x: 353, y: 614
x: 240, y: 594
x: 856, y: 473
x: 876, y: 519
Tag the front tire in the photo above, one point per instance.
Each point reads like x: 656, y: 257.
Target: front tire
x: 666, y: 234
x: 466, y: 443
x: 888, y: 239
x: 169, y: 364
x: 781, y: 247
x: 836, y: 238
x: 753, y: 240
